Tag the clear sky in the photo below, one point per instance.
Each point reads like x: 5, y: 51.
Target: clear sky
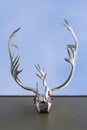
x: 43, y: 40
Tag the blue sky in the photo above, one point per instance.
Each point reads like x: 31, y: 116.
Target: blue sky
x: 43, y: 39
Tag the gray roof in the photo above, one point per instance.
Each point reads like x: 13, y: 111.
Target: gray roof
x: 67, y: 113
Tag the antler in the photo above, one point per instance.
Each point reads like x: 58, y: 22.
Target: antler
x: 43, y: 101
x: 72, y: 52
x: 42, y: 76
x: 15, y: 64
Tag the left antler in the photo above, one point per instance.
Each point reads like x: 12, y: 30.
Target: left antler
x: 72, y: 53
x: 15, y: 65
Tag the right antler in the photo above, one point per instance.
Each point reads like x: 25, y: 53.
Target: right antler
x: 15, y: 65
x: 72, y: 53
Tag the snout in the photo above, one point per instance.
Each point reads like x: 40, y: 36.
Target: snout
x: 43, y: 106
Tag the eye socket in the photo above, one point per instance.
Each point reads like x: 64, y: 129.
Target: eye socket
x: 34, y: 100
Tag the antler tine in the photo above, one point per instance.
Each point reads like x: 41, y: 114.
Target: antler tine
x: 41, y: 71
x: 13, y: 34
x: 15, y: 66
x: 71, y: 55
x: 68, y: 26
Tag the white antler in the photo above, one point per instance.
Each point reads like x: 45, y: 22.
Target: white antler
x: 42, y: 76
x: 44, y: 101
x: 15, y: 65
x: 72, y: 52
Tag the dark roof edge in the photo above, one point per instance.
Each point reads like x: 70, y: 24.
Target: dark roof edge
x: 34, y: 95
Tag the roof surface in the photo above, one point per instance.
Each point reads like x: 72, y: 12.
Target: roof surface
x: 67, y: 113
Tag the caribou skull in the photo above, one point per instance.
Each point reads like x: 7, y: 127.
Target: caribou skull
x: 43, y: 101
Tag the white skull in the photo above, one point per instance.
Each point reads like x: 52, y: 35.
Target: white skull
x: 43, y: 103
